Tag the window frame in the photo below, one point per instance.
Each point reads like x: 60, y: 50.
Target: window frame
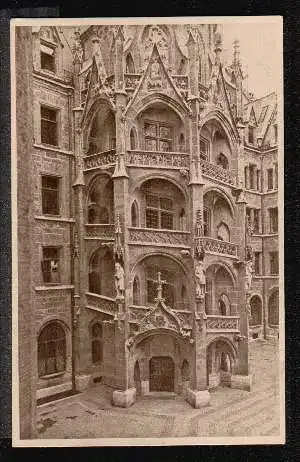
x: 159, y: 210
x: 270, y: 175
x: 52, y: 47
x: 273, y: 212
x: 57, y: 124
x: 257, y: 264
x: 59, y: 261
x: 63, y: 340
x: 59, y: 178
x: 158, y: 138
x: 274, y: 260
x: 251, y: 131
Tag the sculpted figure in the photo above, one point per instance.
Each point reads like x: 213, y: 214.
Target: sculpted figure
x: 249, y: 274
x: 200, y: 278
x: 119, y: 280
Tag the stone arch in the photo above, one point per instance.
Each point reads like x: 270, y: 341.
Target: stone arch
x: 221, y: 357
x: 224, y: 195
x: 92, y: 112
x: 101, y: 272
x: 138, y: 106
x: 256, y: 310
x: 130, y: 68
x: 135, y: 214
x: 103, y: 202
x: 162, y: 176
x: 273, y: 308
x: 53, y: 348
x: 223, y: 231
x: 164, y: 254
x: 226, y: 124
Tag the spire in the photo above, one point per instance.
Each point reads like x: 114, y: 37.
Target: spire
x: 236, y: 52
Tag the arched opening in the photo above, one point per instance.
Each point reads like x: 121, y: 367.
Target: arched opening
x: 102, y: 132
x: 185, y: 371
x: 223, y: 233
x: 217, y: 216
x: 161, y: 373
x: 134, y: 215
x: 220, y: 294
x: 162, y: 205
x: 224, y: 305
x: 136, y: 294
x: 129, y: 64
x: 217, y: 144
x: 220, y: 359
x: 273, y: 309
x: 256, y: 311
x: 222, y: 161
x: 51, y: 350
x: 160, y: 128
x: 182, y: 67
x: 174, y: 286
x: 133, y: 139
x: 101, y: 272
x: 101, y: 201
x: 97, y: 352
x: 137, y: 378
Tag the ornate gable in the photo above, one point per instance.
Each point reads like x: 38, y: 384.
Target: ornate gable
x: 157, y: 80
x: 98, y: 86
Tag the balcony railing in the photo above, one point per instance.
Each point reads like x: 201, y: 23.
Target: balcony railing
x: 217, y: 173
x: 100, y: 231
x: 217, y: 246
x: 101, y: 303
x: 100, y: 159
x: 158, y: 159
x: 222, y: 323
x: 159, y: 236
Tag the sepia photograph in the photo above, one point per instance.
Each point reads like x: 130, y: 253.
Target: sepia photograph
x: 147, y: 212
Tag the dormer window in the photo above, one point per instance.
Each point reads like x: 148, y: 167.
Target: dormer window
x: 47, y: 58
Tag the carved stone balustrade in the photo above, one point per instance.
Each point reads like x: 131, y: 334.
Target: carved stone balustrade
x: 217, y: 323
x: 100, y: 231
x: 217, y: 173
x: 217, y: 246
x: 165, y: 237
x: 100, y: 159
x: 131, y: 81
x: 157, y: 159
x: 101, y: 303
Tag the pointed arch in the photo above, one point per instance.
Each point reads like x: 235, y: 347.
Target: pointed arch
x: 134, y: 215
x: 133, y: 139
x: 136, y: 291
x: 130, y: 68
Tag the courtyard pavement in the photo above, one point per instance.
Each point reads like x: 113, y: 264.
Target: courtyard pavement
x: 230, y: 413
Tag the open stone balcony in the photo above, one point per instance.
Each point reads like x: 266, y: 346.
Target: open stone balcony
x: 217, y: 323
x: 100, y: 159
x: 101, y: 303
x: 216, y: 246
x: 100, y: 231
x: 155, y: 159
x: 217, y: 173
x: 165, y: 237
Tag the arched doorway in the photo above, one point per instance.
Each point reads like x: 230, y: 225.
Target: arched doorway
x: 256, y: 311
x: 219, y: 360
x: 161, y: 373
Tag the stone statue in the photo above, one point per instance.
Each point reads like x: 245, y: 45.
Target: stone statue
x: 249, y: 274
x: 155, y: 69
x: 119, y: 280
x: 200, y: 278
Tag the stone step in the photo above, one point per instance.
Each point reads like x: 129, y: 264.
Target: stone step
x: 250, y: 423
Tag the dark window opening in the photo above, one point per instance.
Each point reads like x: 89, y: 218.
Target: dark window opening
x: 158, y: 137
x: 50, y: 195
x: 51, y: 350
x: 49, y: 126
x: 251, y: 135
x: 270, y: 179
x: 273, y: 213
x: 274, y: 264
x: 51, y: 265
x: 47, y: 58
x: 222, y: 161
x: 159, y: 212
x: 206, y: 221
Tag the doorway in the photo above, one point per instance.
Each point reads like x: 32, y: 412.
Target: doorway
x: 161, y: 374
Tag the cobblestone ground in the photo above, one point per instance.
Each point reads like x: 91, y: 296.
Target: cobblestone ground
x: 230, y: 413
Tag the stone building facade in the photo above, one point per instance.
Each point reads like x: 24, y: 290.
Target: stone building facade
x: 154, y: 222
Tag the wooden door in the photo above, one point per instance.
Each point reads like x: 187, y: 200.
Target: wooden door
x: 161, y: 374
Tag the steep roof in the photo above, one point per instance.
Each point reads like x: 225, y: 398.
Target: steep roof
x: 264, y: 109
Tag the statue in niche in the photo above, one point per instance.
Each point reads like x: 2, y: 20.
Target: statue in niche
x: 200, y: 278
x: 249, y: 270
x: 119, y: 280
x: 155, y: 70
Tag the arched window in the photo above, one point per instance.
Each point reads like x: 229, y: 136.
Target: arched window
x: 97, y: 343
x: 206, y: 221
x: 91, y: 215
x: 51, y: 350
x: 103, y: 215
x: 133, y: 139
x: 273, y: 309
x: 256, y: 309
x: 129, y: 64
x: 223, y: 233
x: 134, y: 215
x: 222, y: 161
x: 136, y: 295
x: 181, y: 143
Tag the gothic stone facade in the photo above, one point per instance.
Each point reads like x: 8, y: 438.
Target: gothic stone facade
x: 153, y: 255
